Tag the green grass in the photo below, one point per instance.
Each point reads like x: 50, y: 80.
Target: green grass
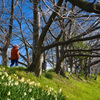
x: 16, y: 84
x: 73, y: 88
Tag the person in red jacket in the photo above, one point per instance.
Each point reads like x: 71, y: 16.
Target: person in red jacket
x: 14, y: 56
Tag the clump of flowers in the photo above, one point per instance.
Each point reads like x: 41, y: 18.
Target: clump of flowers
x: 26, y: 90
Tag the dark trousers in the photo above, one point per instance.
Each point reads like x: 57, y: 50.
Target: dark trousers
x: 14, y: 61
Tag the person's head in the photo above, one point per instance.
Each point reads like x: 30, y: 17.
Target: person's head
x: 17, y: 46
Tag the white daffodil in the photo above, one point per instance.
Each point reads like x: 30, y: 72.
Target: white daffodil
x: 12, y: 80
x: 15, y: 75
x: 60, y: 90
x: 51, y: 89
x: 32, y: 98
x: 38, y: 84
x: 24, y: 93
x: 3, y: 68
x: 22, y: 80
x: 28, y: 80
x: 8, y: 99
x: 11, y: 84
x: 6, y: 74
x: 46, y: 86
x: 30, y: 90
x: 8, y: 84
x: 9, y: 78
x: 48, y: 92
x: 55, y: 97
x: 8, y: 93
x: 16, y: 83
x: 2, y: 77
x: 32, y: 83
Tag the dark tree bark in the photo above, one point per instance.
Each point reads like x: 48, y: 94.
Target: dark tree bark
x: 38, y: 41
x: 5, y: 57
x: 72, y: 40
x: 36, y: 65
x: 86, y: 6
x: 44, y: 63
x: 59, y: 66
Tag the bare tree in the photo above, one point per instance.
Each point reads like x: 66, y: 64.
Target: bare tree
x: 6, y: 37
x: 38, y: 41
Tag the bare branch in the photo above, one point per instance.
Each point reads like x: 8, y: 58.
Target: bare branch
x: 93, y: 63
x: 86, y: 55
x: 46, y: 22
x: 22, y: 63
x: 70, y: 41
x: 50, y: 21
x: 16, y: 3
x: 80, y: 50
x: 87, y: 6
x: 2, y: 9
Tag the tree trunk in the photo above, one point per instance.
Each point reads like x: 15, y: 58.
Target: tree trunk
x: 5, y: 58
x: 8, y: 37
x: 80, y: 63
x: 60, y: 69
x: 52, y: 57
x: 71, y: 63
x: 57, y: 54
x: 36, y: 65
x: 85, y: 68
x: 60, y: 66
x: 96, y: 73
x: 44, y: 64
x: 36, y: 26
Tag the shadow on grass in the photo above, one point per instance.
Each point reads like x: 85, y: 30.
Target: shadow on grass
x: 48, y: 75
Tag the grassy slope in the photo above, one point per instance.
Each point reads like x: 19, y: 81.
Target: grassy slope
x: 74, y: 89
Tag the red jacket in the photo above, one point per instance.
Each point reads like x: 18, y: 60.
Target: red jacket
x: 15, y: 53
